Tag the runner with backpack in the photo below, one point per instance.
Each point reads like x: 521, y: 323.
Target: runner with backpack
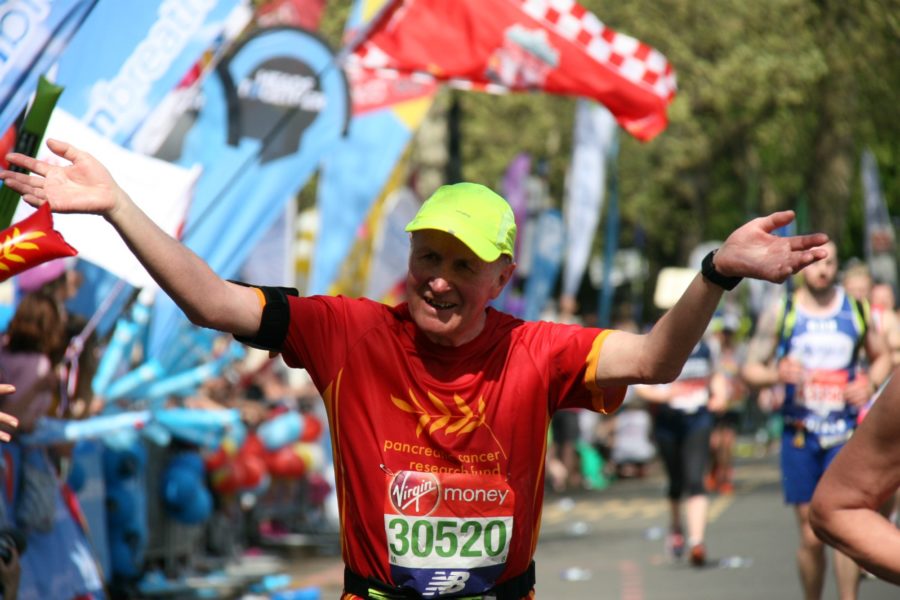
x: 811, y: 343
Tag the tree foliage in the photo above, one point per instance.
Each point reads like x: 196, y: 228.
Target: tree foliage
x: 777, y: 99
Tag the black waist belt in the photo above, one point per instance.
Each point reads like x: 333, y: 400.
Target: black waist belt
x: 512, y: 589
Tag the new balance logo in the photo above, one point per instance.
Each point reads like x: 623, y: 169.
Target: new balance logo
x: 446, y: 582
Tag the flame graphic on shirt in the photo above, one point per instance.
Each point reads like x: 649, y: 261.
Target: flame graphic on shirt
x: 460, y: 421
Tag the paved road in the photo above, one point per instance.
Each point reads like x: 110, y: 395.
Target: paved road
x: 608, y: 544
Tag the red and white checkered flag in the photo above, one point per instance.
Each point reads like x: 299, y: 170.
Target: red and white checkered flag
x: 556, y: 46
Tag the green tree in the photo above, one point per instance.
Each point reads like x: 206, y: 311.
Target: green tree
x: 777, y: 99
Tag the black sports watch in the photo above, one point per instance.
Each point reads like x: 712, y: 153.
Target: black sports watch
x: 708, y: 269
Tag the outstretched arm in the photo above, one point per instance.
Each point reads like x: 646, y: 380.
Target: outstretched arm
x: 844, y: 510
x: 85, y: 186
x: 750, y: 251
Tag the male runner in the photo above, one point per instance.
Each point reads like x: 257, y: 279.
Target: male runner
x: 816, y: 337
x: 438, y: 407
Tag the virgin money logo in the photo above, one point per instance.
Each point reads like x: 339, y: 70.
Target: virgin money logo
x: 414, y: 494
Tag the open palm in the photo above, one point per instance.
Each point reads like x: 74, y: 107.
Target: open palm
x: 84, y: 186
x: 754, y: 251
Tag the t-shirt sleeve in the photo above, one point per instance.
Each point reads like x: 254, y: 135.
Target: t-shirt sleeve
x: 575, y: 352
x: 322, y: 329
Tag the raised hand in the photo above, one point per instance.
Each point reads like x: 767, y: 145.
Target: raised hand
x: 84, y: 186
x: 753, y: 251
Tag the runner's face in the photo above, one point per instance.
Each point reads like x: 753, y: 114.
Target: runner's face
x: 449, y: 287
x: 821, y: 275
x: 858, y: 285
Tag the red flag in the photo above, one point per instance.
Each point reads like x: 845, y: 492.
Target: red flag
x: 7, y: 144
x: 371, y: 90
x: 555, y: 46
x: 30, y: 242
x: 295, y: 13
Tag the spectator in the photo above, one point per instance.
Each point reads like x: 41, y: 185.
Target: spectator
x: 34, y: 343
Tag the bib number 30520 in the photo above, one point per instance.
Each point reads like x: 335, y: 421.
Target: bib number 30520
x: 470, y: 543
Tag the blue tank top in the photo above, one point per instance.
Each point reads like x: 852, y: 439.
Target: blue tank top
x: 826, y: 347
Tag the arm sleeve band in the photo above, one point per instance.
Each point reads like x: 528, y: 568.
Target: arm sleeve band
x: 276, y: 316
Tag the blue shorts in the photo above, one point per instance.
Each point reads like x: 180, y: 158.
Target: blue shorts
x: 801, y: 468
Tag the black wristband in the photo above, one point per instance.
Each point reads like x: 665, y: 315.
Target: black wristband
x: 276, y: 317
x: 708, y: 269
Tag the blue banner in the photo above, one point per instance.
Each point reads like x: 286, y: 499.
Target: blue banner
x: 32, y: 35
x: 275, y: 105
x: 87, y: 468
x: 123, y: 60
x: 386, y: 112
x: 127, y: 56
x: 352, y: 177
x: 546, y: 260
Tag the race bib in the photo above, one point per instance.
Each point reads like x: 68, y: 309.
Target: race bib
x: 689, y: 395
x: 447, y: 533
x: 822, y: 391
x: 829, y: 430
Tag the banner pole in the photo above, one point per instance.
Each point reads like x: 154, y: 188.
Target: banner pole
x: 611, y: 243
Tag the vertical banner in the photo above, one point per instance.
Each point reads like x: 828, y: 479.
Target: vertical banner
x: 271, y: 262
x: 515, y: 189
x: 611, y: 240
x: 127, y: 56
x: 119, y: 66
x: 390, y: 247
x: 593, y: 135
x: 879, y: 230
x: 545, y: 262
x: 386, y: 112
x: 33, y: 33
x: 353, y: 276
x: 272, y: 109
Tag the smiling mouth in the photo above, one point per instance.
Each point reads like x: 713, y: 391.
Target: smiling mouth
x: 439, y: 305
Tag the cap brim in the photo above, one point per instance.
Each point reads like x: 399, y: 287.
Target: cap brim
x: 483, y: 249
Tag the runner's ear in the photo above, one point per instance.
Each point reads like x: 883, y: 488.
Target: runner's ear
x: 505, y: 274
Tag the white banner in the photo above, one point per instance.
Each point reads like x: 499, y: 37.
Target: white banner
x: 594, y: 128
x: 161, y: 189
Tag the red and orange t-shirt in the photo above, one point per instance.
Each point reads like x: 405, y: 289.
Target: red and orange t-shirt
x: 439, y: 451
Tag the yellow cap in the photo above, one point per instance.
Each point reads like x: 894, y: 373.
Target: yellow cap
x: 473, y: 214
